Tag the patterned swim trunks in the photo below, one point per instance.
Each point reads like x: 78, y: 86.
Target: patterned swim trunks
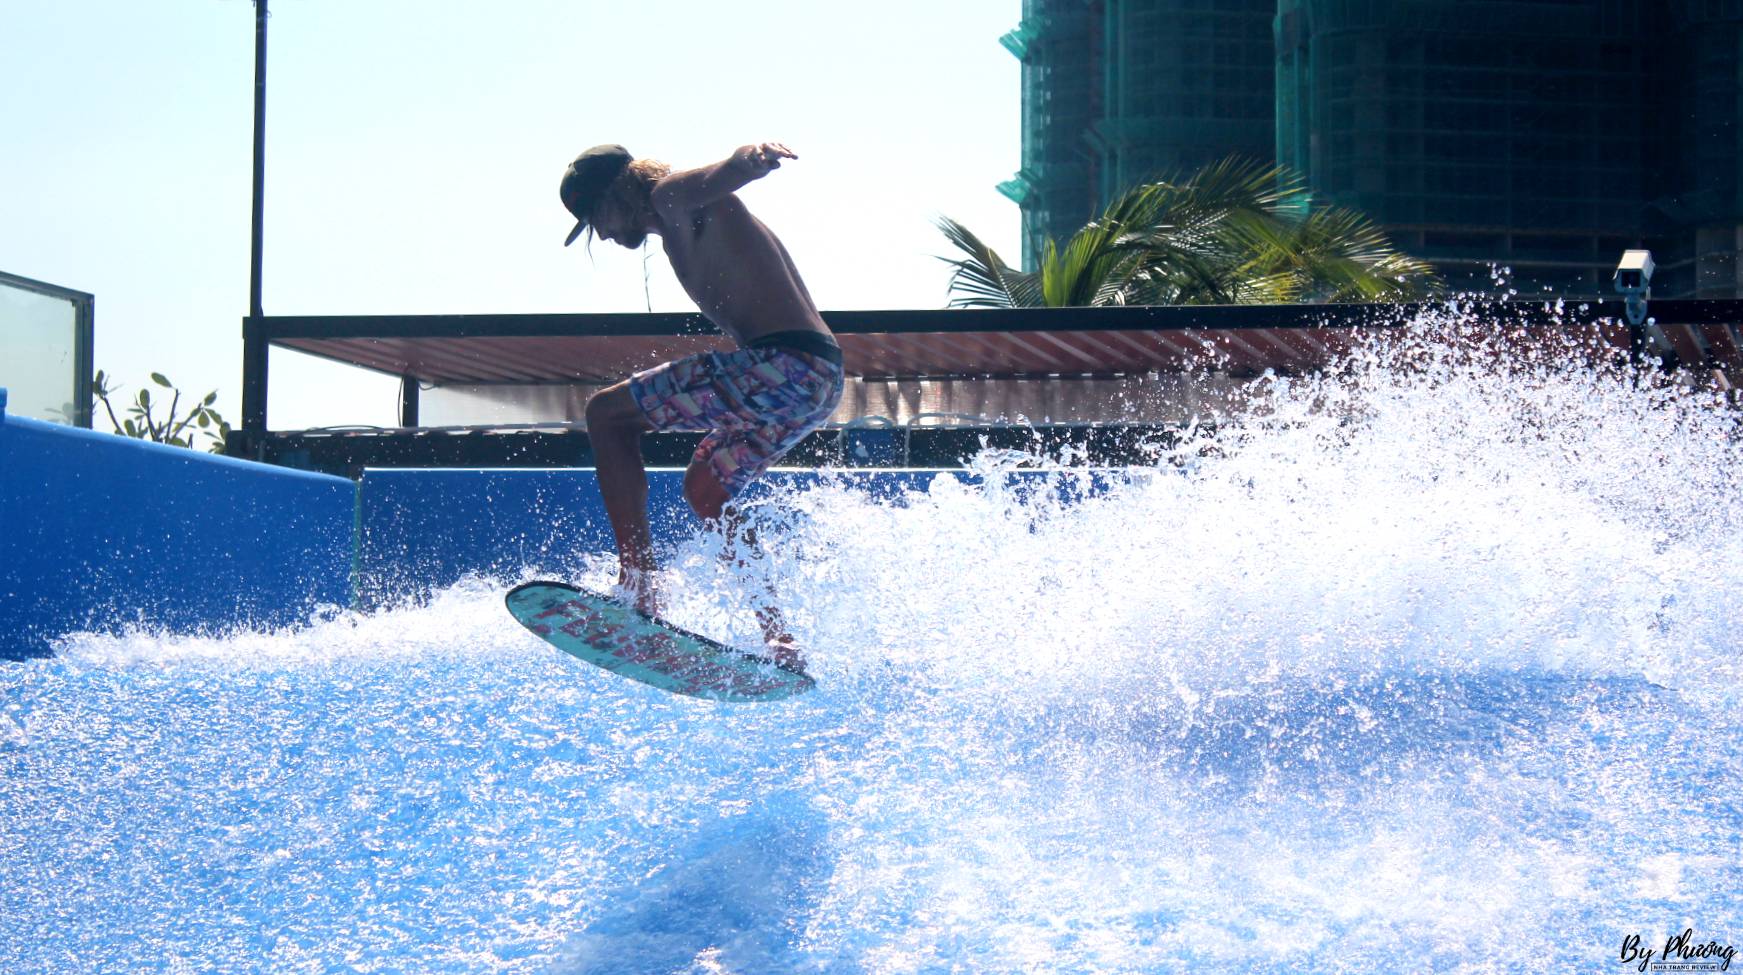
x: 756, y: 403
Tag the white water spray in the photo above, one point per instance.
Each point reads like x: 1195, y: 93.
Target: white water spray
x: 1426, y: 663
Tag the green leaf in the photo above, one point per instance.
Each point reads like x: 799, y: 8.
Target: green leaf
x: 204, y: 420
x: 158, y: 377
x: 983, y: 279
x: 211, y: 397
x: 132, y: 431
x: 1232, y: 232
x: 144, y: 398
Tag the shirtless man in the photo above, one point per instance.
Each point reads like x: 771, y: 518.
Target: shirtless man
x: 755, y: 403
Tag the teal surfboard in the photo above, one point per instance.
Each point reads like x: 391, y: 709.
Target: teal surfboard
x: 612, y: 634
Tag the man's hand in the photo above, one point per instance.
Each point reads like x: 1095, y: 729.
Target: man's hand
x: 759, y: 159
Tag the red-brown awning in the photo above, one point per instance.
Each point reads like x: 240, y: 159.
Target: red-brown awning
x: 597, y: 349
x: 601, y: 359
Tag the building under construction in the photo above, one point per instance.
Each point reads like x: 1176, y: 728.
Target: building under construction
x: 1117, y: 92
x: 1544, y: 136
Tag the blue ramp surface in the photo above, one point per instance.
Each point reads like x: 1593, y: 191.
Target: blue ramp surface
x: 98, y: 532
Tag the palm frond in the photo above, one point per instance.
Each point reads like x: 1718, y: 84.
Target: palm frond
x: 983, y: 279
x: 1236, y: 231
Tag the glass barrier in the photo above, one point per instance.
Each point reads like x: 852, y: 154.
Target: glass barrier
x: 45, y: 351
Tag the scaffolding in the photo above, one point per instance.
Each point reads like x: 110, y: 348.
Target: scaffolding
x: 1116, y: 92
x: 1542, y: 136
x: 1188, y: 83
x: 1707, y: 194
x: 1055, y: 186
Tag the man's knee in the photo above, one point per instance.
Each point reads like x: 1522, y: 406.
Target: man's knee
x: 598, y: 412
x: 704, y: 492
x: 614, y: 411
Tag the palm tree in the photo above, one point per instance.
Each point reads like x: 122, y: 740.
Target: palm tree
x: 1233, y: 233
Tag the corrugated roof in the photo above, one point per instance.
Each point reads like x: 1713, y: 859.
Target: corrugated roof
x: 944, y: 343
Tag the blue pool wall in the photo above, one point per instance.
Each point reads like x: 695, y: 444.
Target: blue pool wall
x: 424, y: 529
x: 99, y: 532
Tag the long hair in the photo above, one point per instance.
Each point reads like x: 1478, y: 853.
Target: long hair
x: 633, y: 188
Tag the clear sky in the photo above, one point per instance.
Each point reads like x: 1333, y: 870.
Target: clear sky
x: 414, y: 149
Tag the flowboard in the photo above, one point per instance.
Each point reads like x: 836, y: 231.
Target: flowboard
x: 612, y: 634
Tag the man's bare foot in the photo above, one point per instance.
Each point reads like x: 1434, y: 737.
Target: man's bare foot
x: 784, y: 651
x: 636, y: 586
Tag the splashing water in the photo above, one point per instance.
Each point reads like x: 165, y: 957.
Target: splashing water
x: 1429, y: 662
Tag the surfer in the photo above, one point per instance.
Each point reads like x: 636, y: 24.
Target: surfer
x: 755, y: 403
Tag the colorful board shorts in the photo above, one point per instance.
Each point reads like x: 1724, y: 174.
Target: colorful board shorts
x: 755, y: 403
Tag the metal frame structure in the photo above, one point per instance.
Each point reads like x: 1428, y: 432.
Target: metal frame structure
x: 974, y: 345
x: 84, y: 330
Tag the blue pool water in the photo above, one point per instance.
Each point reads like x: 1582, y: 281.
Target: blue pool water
x: 1424, y: 666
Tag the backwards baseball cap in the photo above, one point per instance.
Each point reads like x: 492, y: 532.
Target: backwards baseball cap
x: 585, y: 180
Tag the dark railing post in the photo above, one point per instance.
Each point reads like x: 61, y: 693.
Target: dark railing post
x: 408, y: 401
x: 244, y: 442
x: 84, y: 363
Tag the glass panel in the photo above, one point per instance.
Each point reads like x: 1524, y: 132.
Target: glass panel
x: 38, y: 339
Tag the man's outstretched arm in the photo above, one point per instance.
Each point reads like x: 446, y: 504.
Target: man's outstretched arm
x: 693, y: 189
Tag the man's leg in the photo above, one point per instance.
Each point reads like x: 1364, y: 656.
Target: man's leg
x: 615, y: 426
x: 711, y: 501
x: 702, y: 488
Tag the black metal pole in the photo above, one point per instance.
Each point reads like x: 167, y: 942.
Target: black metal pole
x: 408, y: 401
x: 253, y: 343
x: 254, y: 309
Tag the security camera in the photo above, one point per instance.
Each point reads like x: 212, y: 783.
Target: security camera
x: 1634, y: 282
x: 1634, y: 272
